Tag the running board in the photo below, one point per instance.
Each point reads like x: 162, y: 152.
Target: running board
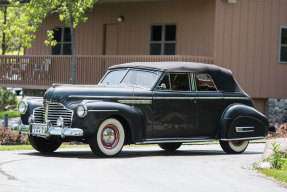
x: 174, y: 140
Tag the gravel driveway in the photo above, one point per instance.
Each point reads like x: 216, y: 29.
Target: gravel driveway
x: 192, y: 168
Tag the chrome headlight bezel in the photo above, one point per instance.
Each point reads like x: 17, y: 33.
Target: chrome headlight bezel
x: 23, y: 107
x: 82, y: 111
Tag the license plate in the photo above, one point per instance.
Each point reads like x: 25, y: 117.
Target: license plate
x: 39, y: 129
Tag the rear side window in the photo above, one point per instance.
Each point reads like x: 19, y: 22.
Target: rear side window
x: 204, y: 82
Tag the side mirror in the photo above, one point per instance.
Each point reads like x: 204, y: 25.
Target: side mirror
x: 161, y: 87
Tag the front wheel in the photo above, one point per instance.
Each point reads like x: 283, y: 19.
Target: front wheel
x: 169, y: 146
x: 234, y: 147
x: 43, y: 145
x: 109, y: 139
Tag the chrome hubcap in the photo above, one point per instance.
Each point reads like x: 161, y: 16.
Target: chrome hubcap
x: 110, y: 136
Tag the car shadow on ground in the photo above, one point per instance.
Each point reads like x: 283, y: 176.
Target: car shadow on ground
x: 136, y: 153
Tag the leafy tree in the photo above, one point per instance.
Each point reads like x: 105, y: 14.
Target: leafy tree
x: 7, y: 98
x: 9, y: 40
x: 72, y: 12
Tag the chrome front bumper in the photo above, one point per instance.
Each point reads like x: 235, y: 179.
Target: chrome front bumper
x: 50, y: 131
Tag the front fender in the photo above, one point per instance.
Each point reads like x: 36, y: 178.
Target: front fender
x: 32, y: 102
x: 101, y: 110
x: 241, y: 122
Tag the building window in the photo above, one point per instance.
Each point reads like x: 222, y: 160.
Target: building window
x: 283, y: 44
x: 163, y: 40
x: 63, y: 37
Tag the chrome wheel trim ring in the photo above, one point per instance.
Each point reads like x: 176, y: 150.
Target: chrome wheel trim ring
x: 112, y: 147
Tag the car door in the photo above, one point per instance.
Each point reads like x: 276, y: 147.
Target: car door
x: 174, y: 107
x: 210, y: 106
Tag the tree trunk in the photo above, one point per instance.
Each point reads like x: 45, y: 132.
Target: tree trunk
x: 73, y: 47
x: 3, y: 33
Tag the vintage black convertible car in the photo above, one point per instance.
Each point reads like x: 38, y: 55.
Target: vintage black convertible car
x: 164, y: 103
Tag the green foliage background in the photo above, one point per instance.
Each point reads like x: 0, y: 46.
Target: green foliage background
x: 7, y: 98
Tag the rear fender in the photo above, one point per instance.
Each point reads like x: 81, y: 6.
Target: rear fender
x: 242, y: 122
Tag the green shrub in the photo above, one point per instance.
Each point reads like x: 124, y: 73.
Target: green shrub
x: 7, y: 99
x: 278, y: 159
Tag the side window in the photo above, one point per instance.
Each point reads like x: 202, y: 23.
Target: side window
x: 164, y: 84
x: 204, y: 83
x: 179, y: 81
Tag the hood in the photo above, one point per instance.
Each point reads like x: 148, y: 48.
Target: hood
x: 63, y: 93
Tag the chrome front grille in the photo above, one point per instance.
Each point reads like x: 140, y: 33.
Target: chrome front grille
x: 39, y: 115
x: 54, y: 111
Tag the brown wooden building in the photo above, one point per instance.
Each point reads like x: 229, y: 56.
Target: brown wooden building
x: 247, y: 36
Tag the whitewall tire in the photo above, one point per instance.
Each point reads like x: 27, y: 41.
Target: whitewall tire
x: 109, y: 139
x: 234, y: 147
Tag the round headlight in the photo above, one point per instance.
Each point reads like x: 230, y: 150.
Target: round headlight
x: 22, y: 107
x: 82, y: 111
x: 60, y: 122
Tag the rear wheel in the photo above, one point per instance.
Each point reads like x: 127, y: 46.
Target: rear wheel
x: 43, y: 145
x: 169, y: 146
x: 234, y: 147
x: 109, y: 139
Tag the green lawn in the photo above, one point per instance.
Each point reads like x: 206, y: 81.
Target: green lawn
x: 29, y: 147
x: 11, y: 114
x: 280, y: 175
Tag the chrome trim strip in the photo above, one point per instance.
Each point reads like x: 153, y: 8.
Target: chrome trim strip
x: 242, y: 98
x: 244, y: 129
x: 102, y: 110
x: 108, y: 97
x: 241, y: 139
x: 147, y: 98
x: 175, y: 98
x: 135, y: 101
x: 174, y: 140
x: 209, y: 97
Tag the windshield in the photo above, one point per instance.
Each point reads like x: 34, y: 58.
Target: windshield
x: 114, y: 77
x: 131, y: 77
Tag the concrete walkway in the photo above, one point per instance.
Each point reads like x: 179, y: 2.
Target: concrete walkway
x: 11, y: 121
x: 199, y: 168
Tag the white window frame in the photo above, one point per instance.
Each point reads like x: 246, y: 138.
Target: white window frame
x: 163, y: 41
x: 281, y: 45
x: 62, y: 40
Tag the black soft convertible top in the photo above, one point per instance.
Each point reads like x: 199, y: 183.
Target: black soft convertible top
x: 222, y: 77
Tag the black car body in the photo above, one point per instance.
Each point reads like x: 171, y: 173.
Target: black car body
x: 165, y: 103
